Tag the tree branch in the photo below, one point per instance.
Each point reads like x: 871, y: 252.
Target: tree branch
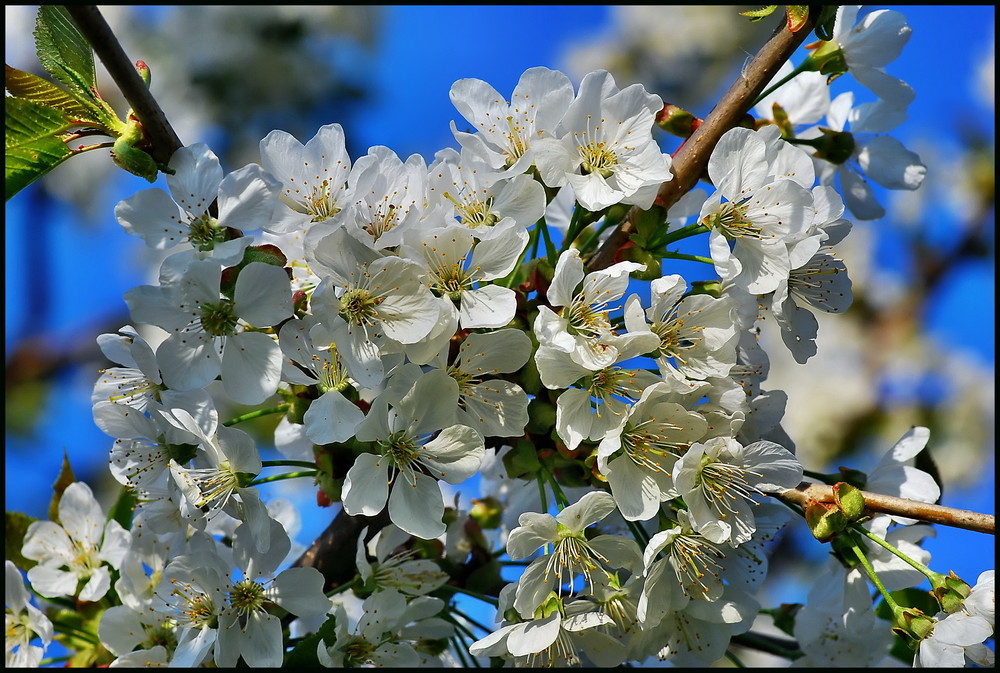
x: 805, y: 492
x: 692, y: 156
x: 163, y: 140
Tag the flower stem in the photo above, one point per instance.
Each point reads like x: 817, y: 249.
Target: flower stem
x: 287, y: 463
x: 280, y: 409
x: 669, y: 254
x: 286, y: 475
x: 916, y: 565
x: 468, y: 592
x: 800, y: 68
x: 870, y: 571
x: 550, y: 248
x: 769, y: 644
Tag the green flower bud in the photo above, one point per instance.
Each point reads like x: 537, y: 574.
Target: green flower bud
x: 677, y: 121
x: 487, y: 512
x: 825, y: 520
x: 850, y: 500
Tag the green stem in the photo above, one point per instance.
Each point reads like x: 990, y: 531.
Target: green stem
x: 591, y: 241
x: 460, y: 652
x: 574, y: 228
x: 870, y: 571
x: 287, y: 463
x: 541, y: 492
x: 638, y: 533
x: 54, y: 660
x: 561, y: 500
x: 550, y: 248
x: 69, y: 630
x: 771, y: 645
x: 467, y: 618
x: 280, y: 409
x: 777, y: 85
x: 468, y: 592
x: 670, y: 254
x: 736, y: 660
x: 916, y: 565
x: 679, y: 235
x: 343, y: 587
x: 286, y: 475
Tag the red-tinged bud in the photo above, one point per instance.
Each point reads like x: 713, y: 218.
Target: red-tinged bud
x: 677, y: 121
x: 144, y: 72
x: 825, y: 520
x: 322, y: 499
x: 300, y: 303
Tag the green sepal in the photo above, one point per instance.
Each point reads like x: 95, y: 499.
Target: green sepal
x: 15, y: 528
x: 133, y: 160
x: 713, y: 288
x: 825, y: 520
x: 636, y: 253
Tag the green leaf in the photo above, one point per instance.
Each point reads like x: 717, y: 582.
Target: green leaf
x: 32, y: 87
x: 124, y: 507
x: 796, y: 16
x: 33, y: 147
x: 304, y: 656
x: 15, y: 527
x: 825, y: 22
x: 62, y: 50
x: 756, y: 15
x: 66, y: 477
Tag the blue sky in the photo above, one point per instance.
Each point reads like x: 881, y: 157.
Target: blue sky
x: 427, y: 48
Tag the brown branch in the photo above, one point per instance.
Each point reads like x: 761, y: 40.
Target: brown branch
x: 691, y: 158
x: 163, y: 140
x: 805, y: 492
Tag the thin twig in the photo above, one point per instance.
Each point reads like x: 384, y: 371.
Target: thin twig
x: 691, y: 158
x: 163, y: 140
x: 886, y: 504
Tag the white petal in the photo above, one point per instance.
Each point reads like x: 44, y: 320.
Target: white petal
x: 251, y: 367
x: 417, y: 508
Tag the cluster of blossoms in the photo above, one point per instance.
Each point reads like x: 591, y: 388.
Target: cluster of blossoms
x: 402, y: 316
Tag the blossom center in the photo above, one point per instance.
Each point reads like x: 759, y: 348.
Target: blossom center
x: 732, y: 222
x: 598, y: 158
x: 218, y: 319
x: 359, y: 307
x: 247, y: 597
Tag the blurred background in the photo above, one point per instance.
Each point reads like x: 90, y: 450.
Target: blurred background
x: 917, y: 348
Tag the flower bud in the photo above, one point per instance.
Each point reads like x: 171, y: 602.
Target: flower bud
x: 825, y: 520
x: 950, y: 591
x: 850, y: 500
x: 677, y: 121
x: 144, y: 72
x: 487, y: 512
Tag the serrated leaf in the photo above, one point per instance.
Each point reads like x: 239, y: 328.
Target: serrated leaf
x: 797, y: 16
x: 756, y: 15
x: 15, y: 526
x: 62, y: 50
x: 826, y: 22
x: 66, y: 477
x: 32, y: 87
x: 32, y: 144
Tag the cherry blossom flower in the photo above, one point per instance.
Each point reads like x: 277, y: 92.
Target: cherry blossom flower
x: 697, y: 332
x: 506, y: 131
x: 23, y: 623
x: 209, y: 332
x: 79, y: 549
x: 417, y: 442
x: 246, y: 199
x: 719, y: 478
x: 605, y: 148
x: 314, y: 176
